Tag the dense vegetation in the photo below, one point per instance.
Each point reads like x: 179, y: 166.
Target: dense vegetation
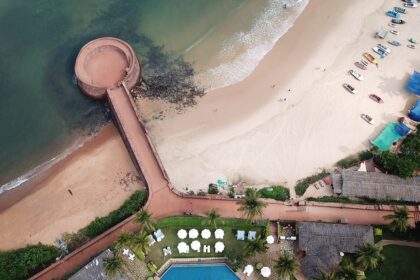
x: 101, y: 224
x: 303, y: 184
x: 275, y: 192
x: 354, y: 160
x: 22, y: 263
x: 367, y: 201
x: 405, y: 162
x: 400, y: 263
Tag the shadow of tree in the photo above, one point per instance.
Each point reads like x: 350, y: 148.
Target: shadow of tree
x: 393, y: 86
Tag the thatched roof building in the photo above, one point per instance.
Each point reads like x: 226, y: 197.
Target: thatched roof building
x: 323, y: 242
x: 376, y: 185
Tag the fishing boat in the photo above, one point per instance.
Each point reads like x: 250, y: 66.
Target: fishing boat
x: 410, y: 5
x: 400, y: 10
x: 350, y: 88
x: 397, y: 21
x: 395, y: 32
x: 364, y: 62
x: 393, y: 14
x: 411, y: 46
x: 376, y: 98
x: 379, y: 51
x: 387, y: 50
x: 360, y: 65
x: 370, y: 58
x: 356, y: 75
x: 367, y: 118
x: 391, y: 24
x: 394, y: 43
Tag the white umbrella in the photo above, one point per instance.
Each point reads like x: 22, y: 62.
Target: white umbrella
x: 195, y: 245
x: 205, y: 233
x: 193, y: 233
x: 182, y: 247
x: 219, y: 233
x: 270, y: 239
x: 265, y: 272
x: 219, y: 247
x: 182, y: 233
x: 248, y: 269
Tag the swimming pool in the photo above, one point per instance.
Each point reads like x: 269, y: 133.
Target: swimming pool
x: 218, y: 271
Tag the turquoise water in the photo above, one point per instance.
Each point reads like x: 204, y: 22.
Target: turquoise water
x: 42, y: 112
x: 199, y: 272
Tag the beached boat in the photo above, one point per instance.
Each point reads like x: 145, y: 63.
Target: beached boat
x: 379, y: 51
x: 394, y: 43
x: 364, y: 62
x: 393, y: 14
x: 397, y: 21
x: 391, y: 24
x: 412, y: 40
x: 387, y: 50
x: 376, y: 98
x: 360, y: 65
x: 350, y: 88
x: 370, y: 58
x: 367, y: 118
x: 411, y: 46
x: 381, y: 34
x: 400, y: 10
x: 356, y: 75
x: 410, y: 5
x: 395, y: 32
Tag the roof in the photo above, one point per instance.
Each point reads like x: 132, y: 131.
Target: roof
x: 413, y: 84
x: 323, y: 242
x: 376, y: 186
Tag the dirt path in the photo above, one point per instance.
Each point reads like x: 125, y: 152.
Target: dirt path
x: 399, y: 242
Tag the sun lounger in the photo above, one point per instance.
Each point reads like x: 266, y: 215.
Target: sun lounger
x: 150, y: 240
x: 159, y: 235
x: 293, y: 238
x: 240, y: 235
x: 282, y: 237
x: 252, y: 235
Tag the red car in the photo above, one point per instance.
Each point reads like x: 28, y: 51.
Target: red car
x: 376, y: 98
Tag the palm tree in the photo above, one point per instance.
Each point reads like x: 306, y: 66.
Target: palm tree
x: 286, y: 265
x: 399, y: 220
x: 113, y: 265
x: 144, y: 218
x: 327, y: 276
x: 140, y: 243
x: 251, y: 205
x: 349, y: 272
x: 368, y: 256
x: 125, y: 238
x: 255, y: 246
x: 212, y: 218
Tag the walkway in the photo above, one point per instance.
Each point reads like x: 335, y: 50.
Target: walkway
x: 164, y: 201
x: 385, y: 242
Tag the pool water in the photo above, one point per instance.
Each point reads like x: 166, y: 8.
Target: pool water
x: 199, y: 272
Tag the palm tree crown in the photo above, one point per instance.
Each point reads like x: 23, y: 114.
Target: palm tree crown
x: 255, y: 246
x: 125, y: 238
x: 144, y: 218
x: 286, y: 265
x: 349, y: 272
x: 369, y: 255
x: 251, y: 205
x: 212, y: 218
x: 327, y: 276
x: 113, y: 265
x: 141, y: 243
x: 399, y: 220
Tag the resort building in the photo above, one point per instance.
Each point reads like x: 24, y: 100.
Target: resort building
x: 375, y: 185
x: 324, y: 244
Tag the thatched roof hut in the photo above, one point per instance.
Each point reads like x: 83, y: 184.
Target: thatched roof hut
x: 323, y: 242
x: 376, y: 185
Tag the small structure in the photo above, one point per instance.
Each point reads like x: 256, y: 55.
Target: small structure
x: 159, y: 235
x: 323, y: 242
x: 240, y: 235
x: 205, y: 233
x: 219, y: 233
x: 252, y: 235
x: 193, y: 233
x: 376, y: 186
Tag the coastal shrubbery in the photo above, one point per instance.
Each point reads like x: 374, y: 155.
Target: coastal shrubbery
x: 303, y: 184
x: 354, y: 160
x: 22, y: 263
x: 275, y: 192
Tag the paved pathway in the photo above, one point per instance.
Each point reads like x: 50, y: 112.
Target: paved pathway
x: 385, y: 242
x: 164, y: 202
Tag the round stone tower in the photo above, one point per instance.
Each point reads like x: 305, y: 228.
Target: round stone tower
x: 106, y: 63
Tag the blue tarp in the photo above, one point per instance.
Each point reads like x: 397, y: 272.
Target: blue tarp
x: 413, y: 84
x: 402, y: 129
x: 414, y: 113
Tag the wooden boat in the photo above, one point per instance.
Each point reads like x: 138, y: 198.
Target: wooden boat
x: 379, y: 51
x: 360, y: 65
x: 384, y: 48
x: 410, y: 5
x: 393, y: 14
x: 350, y: 88
x: 376, y: 98
x: 370, y: 58
x: 397, y: 21
x: 400, y: 10
x: 394, y: 43
x: 395, y: 32
x: 356, y: 75
x: 367, y: 118
x: 411, y: 46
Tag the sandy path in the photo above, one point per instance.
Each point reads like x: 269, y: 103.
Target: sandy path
x: 101, y: 177
x: 243, y: 132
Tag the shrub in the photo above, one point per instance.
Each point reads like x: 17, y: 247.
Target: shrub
x: 275, y: 192
x: 101, y: 224
x: 258, y: 266
x: 232, y: 192
x: 378, y: 232
x: 303, y: 184
x: 22, y: 263
x: 213, y: 189
x: 152, y: 267
x: 74, y: 240
x: 201, y: 193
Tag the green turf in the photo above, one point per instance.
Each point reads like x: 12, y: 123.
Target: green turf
x: 400, y: 263
x: 170, y: 227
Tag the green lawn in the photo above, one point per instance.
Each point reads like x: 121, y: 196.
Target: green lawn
x: 275, y: 192
x: 400, y: 263
x: 170, y: 227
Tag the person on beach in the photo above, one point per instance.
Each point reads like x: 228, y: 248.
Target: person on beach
x: 70, y: 192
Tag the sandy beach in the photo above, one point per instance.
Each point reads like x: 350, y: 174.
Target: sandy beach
x: 291, y: 116
x: 100, y: 176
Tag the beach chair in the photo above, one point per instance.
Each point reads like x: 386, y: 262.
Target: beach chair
x: 293, y: 238
x: 240, y: 235
x: 282, y: 237
x: 159, y: 235
x: 150, y: 240
x: 252, y: 235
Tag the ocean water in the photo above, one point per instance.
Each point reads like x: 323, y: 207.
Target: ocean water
x: 42, y: 112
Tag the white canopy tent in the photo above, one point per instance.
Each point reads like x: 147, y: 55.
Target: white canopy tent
x: 270, y: 239
x: 248, y: 270
x: 219, y: 247
x: 183, y: 248
x: 193, y: 233
x: 265, y: 272
x: 182, y: 233
x: 219, y: 233
x: 205, y: 233
x: 195, y: 245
